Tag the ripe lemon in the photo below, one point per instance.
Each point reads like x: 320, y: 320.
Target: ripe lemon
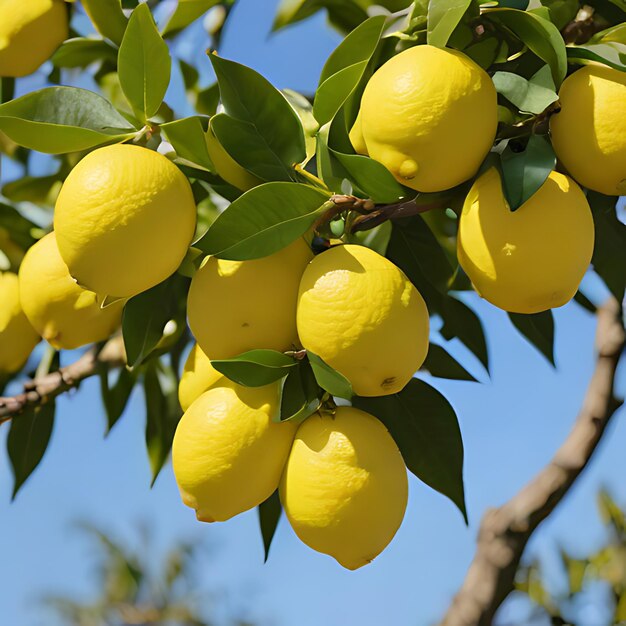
x: 236, y: 306
x: 64, y: 314
x: 228, y: 454
x: 532, y: 259
x: 198, y: 376
x: 17, y: 336
x: 589, y: 133
x: 362, y: 315
x: 124, y: 220
x: 429, y: 116
x: 344, y: 488
x: 30, y: 31
x: 227, y: 167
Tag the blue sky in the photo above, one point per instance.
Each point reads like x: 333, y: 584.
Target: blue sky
x: 511, y: 424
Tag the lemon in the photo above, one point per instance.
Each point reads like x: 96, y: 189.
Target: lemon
x: 532, y: 259
x: 30, y: 31
x: 226, y: 167
x: 589, y: 133
x: 429, y: 115
x: 228, y: 454
x: 198, y: 376
x: 236, y: 306
x: 64, y: 314
x: 17, y: 336
x: 344, y: 488
x: 362, y: 315
x: 124, y: 220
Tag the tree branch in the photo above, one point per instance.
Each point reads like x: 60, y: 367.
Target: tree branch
x: 42, y: 389
x: 505, y: 531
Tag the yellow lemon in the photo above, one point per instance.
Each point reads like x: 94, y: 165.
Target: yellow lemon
x: 363, y: 316
x: 198, y: 376
x: 226, y: 167
x: 532, y: 259
x: 30, y: 31
x: 228, y: 454
x: 124, y: 220
x: 17, y: 336
x: 64, y: 314
x: 589, y: 133
x: 429, y: 115
x: 344, y: 488
x: 236, y: 306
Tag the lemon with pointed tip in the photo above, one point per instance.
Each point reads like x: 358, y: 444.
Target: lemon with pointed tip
x: 228, y: 453
x: 30, y: 31
x: 589, y: 132
x: 236, y: 306
x: 226, y: 167
x: 17, y: 336
x: 198, y: 376
x: 363, y: 316
x: 532, y: 259
x: 63, y: 313
x: 429, y: 115
x: 344, y: 488
x: 124, y: 220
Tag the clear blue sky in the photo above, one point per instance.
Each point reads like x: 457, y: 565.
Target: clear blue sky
x: 511, y: 426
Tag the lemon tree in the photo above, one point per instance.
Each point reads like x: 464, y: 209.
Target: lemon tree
x: 278, y: 270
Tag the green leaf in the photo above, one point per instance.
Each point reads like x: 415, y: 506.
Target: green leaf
x: 343, y: 14
x: 527, y: 95
x: 116, y: 397
x: 269, y: 515
x: 186, y: 12
x: 615, y: 33
x: 524, y: 172
x: 255, y: 368
x: 144, y: 64
x: 28, y: 440
x: 333, y: 93
x: 300, y: 395
x: 58, y: 120
x: 610, y: 53
x: 163, y: 413
x: 248, y: 97
x: 330, y: 379
x: 443, y: 17
x: 440, y: 364
x: 7, y: 88
x: 188, y: 138
x: 541, y: 36
x: 36, y: 189
x: 425, y: 427
x: 263, y: 221
x: 538, y: 329
x: 609, y: 253
x: 146, y: 315
x: 562, y: 12
x: 107, y: 17
x: 81, y: 52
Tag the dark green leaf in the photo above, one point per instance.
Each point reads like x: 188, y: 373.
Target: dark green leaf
x: 39, y: 189
x: 440, y: 364
x: 186, y: 12
x: 269, y: 514
x: 27, y: 441
x: 81, y: 52
x: 329, y: 379
x: 538, y: 329
x: 116, y: 397
x: 443, y: 17
x: 527, y: 95
x: 58, y: 120
x: 540, y: 35
x: 264, y: 220
x: 425, y: 427
x: 524, y: 172
x: 107, y: 17
x: 188, y: 138
x: 144, y: 64
x: 343, y: 14
x: 256, y: 367
x: 562, y: 12
x: 610, y: 53
x: 249, y: 97
x: 7, y: 88
x: 333, y: 92
x: 19, y: 228
x: 300, y: 395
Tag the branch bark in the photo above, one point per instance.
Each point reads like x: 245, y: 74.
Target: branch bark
x: 505, y: 531
x: 43, y: 389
